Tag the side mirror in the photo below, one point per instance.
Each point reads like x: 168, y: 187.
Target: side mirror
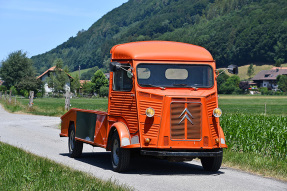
x: 130, y: 73
x: 115, y: 66
x: 232, y: 69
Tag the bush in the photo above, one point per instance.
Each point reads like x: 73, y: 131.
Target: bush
x: 104, y: 91
x: 3, y: 88
x: 264, y: 91
x: 24, y: 93
x: 39, y: 94
x: 14, y: 91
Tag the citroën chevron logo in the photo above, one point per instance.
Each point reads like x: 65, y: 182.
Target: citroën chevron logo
x: 186, y: 115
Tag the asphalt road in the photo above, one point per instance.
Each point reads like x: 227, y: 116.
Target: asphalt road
x: 40, y: 135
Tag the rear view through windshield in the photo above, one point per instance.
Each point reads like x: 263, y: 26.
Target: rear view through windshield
x: 175, y: 75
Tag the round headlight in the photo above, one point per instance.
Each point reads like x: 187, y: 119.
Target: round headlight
x: 217, y: 112
x: 149, y: 112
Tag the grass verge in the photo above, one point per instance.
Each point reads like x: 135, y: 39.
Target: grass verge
x: 24, y: 171
x: 54, y: 106
x: 254, y: 163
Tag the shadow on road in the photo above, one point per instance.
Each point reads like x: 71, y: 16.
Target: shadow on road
x: 145, y: 165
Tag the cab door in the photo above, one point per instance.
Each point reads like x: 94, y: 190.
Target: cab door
x: 122, y: 100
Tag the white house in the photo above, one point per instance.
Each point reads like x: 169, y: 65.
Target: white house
x: 267, y: 78
x: 47, y: 73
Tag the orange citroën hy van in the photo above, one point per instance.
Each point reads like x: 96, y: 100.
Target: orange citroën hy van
x: 163, y: 102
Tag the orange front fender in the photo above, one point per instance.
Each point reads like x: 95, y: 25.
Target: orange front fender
x: 123, y: 131
x: 222, y: 138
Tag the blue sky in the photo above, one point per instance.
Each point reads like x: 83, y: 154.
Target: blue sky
x: 37, y: 26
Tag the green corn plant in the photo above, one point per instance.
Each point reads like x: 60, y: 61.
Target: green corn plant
x: 264, y: 135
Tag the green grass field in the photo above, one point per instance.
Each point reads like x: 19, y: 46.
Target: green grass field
x: 24, y: 171
x: 253, y: 104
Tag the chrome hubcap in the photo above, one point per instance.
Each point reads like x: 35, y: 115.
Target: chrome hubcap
x: 116, y: 152
x: 72, y: 139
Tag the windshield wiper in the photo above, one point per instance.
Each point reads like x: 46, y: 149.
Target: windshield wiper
x: 185, y: 85
x: 179, y: 84
x: 151, y: 85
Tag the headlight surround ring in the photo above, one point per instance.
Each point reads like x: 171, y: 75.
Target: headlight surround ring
x: 217, y: 112
x: 149, y: 112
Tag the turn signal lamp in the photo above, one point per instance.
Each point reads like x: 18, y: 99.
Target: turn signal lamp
x: 147, y: 141
x: 217, y: 112
x: 149, y: 112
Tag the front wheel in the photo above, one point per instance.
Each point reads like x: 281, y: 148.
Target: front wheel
x: 212, y: 164
x: 120, y: 157
x: 75, y: 147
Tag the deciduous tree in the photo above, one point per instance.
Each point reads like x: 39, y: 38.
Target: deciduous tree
x: 75, y: 83
x: 15, y: 68
x: 250, y: 71
x: 99, y: 79
x: 282, y: 82
x: 58, y: 78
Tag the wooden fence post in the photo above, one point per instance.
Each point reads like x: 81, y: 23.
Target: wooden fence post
x: 67, y: 100
x: 10, y: 96
x: 31, y: 97
x: 5, y: 96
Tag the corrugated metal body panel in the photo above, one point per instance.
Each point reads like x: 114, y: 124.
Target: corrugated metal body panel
x: 150, y: 130
x: 144, y: 104
x: 123, y: 104
x: 150, y: 126
x: 211, y: 105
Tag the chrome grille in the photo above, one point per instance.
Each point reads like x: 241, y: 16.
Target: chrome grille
x: 186, y: 120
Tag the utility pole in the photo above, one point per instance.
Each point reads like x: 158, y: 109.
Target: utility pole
x: 79, y: 72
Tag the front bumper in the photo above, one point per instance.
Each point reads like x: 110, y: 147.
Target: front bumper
x: 182, y: 154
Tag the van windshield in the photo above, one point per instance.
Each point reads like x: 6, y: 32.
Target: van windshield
x: 175, y: 75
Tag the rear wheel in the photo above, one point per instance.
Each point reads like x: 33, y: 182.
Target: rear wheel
x: 211, y: 163
x: 120, y: 157
x: 75, y: 147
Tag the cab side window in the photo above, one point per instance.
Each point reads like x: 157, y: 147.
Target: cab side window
x: 121, y: 80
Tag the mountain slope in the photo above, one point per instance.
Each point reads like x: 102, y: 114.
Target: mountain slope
x: 234, y: 31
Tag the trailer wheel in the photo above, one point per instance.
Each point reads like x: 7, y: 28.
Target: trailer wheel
x: 120, y: 157
x: 211, y: 163
x: 75, y: 147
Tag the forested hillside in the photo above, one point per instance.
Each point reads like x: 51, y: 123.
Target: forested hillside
x: 234, y: 31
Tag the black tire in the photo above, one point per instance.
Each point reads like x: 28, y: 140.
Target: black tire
x: 212, y: 164
x: 75, y: 147
x: 120, y: 157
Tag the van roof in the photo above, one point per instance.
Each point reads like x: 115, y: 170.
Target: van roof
x: 160, y: 50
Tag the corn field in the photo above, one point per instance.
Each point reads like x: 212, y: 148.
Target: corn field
x: 264, y: 135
